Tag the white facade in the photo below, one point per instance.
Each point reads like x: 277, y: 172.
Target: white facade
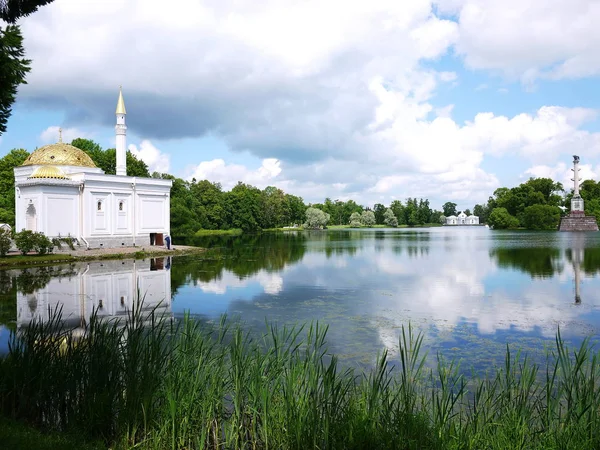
x: 82, y: 202
x: 462, y: 219
x: 111, y: 288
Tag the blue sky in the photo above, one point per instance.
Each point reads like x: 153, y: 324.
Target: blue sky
x: 373, y: 101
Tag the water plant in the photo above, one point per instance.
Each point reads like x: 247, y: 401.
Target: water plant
x: 147, y: 381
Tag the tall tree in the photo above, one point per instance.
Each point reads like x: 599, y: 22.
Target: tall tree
x: 13, y: 69
x: 12, y: 159
x: 13, y: 10
x: 449, y: 209
x: 13, y: 66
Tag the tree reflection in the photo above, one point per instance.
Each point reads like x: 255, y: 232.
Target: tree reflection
x: 243, y: 255
x: 541, y: 262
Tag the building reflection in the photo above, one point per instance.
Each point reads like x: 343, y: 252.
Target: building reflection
x: 110, y: 288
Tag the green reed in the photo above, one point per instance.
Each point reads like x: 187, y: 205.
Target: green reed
x: 148, y: 382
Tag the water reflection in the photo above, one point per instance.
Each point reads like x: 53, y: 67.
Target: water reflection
x: 470, y: 290
x: 110, y: 288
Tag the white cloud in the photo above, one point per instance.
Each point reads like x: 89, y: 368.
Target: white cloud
x: 529, y: 39
x: 229, y: 174
x: 332, y: 98
x: 51, y: 134
x: 563, y: 173
x: 153, y: 157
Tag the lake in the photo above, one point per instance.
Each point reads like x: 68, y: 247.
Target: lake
x: 469, y: 290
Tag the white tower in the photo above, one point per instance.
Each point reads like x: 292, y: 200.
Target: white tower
x: 121, y: 130
x: 577, y: 201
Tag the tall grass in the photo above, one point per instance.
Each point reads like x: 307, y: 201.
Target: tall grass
x: 151, y: 383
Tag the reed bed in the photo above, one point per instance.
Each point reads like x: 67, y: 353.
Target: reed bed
x: 152, y: 383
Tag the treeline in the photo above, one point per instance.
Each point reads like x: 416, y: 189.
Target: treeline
x: 412, y: 212
x: 204, y: 205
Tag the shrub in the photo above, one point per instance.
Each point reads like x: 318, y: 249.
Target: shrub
x: 541, y: 217
x: 42, y: 243
x: 25, y: 241
x: 5, y: 242
x: 500, y: 219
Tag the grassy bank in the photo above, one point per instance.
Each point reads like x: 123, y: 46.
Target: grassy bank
x: 232, y: 232
x: 19, y: 261
x: 33, y: 260
x: 193, y: 387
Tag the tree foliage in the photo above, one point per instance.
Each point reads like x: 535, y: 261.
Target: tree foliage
x: 107, y: 159
x: 389, y: 218
x: 8, y: 162
x: 13, y: 66
x: 355, y: 220
x: 316, y: 219
x: 5, y: 241
x: 449, y: 209
x: 515, y: 201
x: 500, y: 219
x: 367, y: 218
x: 541, y: 217
x: 13, y: 10
x: 13, y: 69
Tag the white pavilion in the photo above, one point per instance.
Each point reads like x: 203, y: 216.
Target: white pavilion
x: 462, y: 219
x: 59, y: 191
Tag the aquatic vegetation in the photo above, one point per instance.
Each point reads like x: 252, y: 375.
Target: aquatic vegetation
x: 150, y: 382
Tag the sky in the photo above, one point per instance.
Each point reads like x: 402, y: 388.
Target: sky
x: 367, y: 100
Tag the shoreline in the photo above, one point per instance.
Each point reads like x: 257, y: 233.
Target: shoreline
x: 16, y: 260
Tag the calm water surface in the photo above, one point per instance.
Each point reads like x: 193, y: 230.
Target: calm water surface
x: 469, y: 290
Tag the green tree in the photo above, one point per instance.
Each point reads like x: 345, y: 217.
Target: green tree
x: 398, y: 209
x: 13, y: 66
x: 5, y: 241
x: 107, y: 159
x: 367, y: 218
x: 316, y: 219
x: 13, y: 69
x: 379, y: 211
x: 481, y: 212
x: 355, y: 220
x: 389, y: 218
x: 13, y: 10
x: 12, y: 159
x: 449, y: 209
x: 501, y: 219
x: 541, y: 217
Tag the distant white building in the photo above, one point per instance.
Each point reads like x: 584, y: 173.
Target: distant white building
x: 462, y: 219
x: 5, y: 227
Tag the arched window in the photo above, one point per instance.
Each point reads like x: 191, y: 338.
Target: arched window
x: 121, y: 205
x: 99, y: 205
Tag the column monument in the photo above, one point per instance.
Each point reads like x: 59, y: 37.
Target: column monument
x: 576, y: 220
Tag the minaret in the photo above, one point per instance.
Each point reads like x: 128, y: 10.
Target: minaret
x: 121, y: 131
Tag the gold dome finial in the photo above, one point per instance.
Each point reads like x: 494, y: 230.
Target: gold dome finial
x: 120, y: 103
x: 60, y: 135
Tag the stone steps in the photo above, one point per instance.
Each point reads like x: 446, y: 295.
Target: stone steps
x: 578, y: 223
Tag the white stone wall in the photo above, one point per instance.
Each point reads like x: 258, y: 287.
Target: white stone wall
x: 102, y: 210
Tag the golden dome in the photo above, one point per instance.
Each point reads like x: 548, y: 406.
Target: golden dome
x: 59, y: 155
x: 49, y: 172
